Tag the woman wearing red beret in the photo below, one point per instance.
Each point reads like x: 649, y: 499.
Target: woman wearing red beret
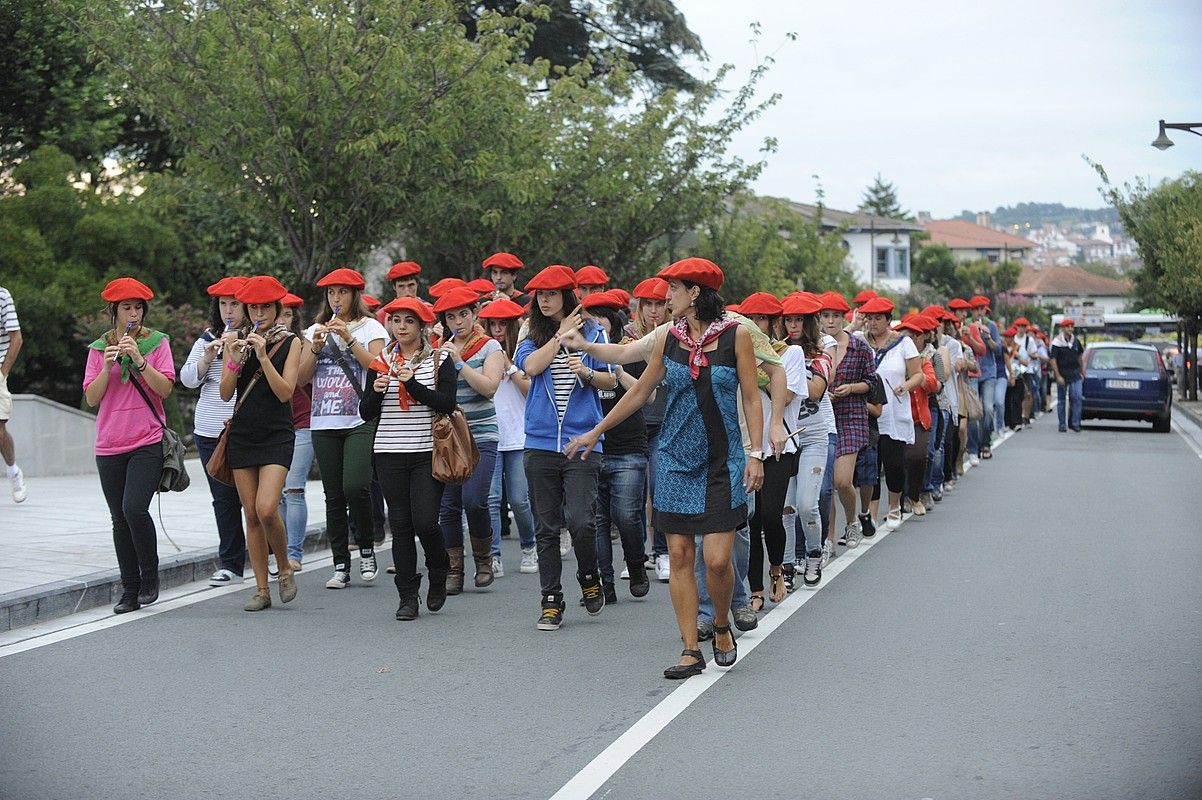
x: 202, y: 370
x: 708, y: 362
x: 128, y: 374
x: 261, y: 370
x: 342, y: 343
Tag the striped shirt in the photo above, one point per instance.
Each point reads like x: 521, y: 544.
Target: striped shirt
x: 402, y: 431
x: 480, y: 411
x: 211, y: 410
x: 8, y: 322
x: 563, y: 379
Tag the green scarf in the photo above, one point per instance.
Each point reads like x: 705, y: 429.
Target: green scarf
x: 147, y: 341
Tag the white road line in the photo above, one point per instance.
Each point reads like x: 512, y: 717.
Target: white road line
x: 1181, y: 426
x: 589, y: 780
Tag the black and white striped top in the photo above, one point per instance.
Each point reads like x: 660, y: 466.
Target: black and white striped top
x: 563, y: 379
x: 211, y: 410
x: 8, y: 322
x: 401, y: 431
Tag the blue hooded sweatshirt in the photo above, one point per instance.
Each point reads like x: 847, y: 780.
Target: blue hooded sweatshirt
x: 544, y: 428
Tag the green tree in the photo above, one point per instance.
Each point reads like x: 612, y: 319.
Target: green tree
x: 651, y: 36
x: 881, y: 199
x: 935, y: 266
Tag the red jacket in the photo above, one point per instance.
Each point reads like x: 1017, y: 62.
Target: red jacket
x: 920, y: 409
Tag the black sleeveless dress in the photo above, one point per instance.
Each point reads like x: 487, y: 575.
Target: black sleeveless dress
x: 261, y: 432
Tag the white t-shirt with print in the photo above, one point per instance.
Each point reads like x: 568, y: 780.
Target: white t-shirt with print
x: 335, y: 402
x: 896, y: 421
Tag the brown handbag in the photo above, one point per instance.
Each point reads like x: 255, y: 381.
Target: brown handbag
x: 455, y: 453
x: 218, y: 466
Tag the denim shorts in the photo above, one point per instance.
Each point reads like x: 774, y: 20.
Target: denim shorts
x: 868, y: 468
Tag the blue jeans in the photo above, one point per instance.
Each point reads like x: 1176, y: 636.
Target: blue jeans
x: 1073, y: 389
x: 472, y: 498
x: 805, y: 497
x: 941, y: 429
x: 620, y: 501
x: 227, y: 508
x: 740, y: 554
x: 509, y: 467
x: 999, y: 405
x: 295, y: 510
x: 986, y: 388
x: 828, y: 488
x: 659, y: 543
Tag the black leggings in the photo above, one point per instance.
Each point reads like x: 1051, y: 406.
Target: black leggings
x: 413, y: 499
x: 767, y: 517
x: 892, y: 456
x: 129, y: 481
x: 916, y: 462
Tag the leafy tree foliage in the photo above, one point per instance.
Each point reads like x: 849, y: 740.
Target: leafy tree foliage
x: 938, y: 276
x: 881, y: 199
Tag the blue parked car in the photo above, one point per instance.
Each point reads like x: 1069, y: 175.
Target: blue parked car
x: 1127, y: 381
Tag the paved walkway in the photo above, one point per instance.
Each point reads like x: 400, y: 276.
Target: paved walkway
x: 62, y: 532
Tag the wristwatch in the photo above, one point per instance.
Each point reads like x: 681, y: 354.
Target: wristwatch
x: 758, y: 455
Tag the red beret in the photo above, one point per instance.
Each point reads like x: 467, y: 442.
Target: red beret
x: 226, y: 287
x: 1022, y: 321
x: 602, y: 300
x: 833, y: 301
x: 591, y: 276
x: 937, y: 313
x: 652, y: 289
x: 126, y: 289
x: 413, y: 306
x: 877, y: 305
x: 292, y: 301
x: 445, y: 285
x: 800, y: 304
x: 694, y: 270
x: 1009, y: 331
x: 927, y: 322
x: 622, y: 295
x: 261, y: 289
x: 371, y: 301
x: 482, y: 286
x: 503, y: 261
x: 958, y: 303
x: 733, y: 307
x: 761, y: 303
x: 979, y: 301
x: 343, y: 277
x: 863, y: 297
x: 503, y: 308
x: 1067, y: 323
x: 552, y: 278
x: 404, y: 269
x: 456, y: 297
x: 911, y: 322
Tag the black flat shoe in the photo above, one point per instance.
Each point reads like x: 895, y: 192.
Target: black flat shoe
x: 678, y: 672
x: 127, y: 603
x: 149, y: 592
x: 724, y: 658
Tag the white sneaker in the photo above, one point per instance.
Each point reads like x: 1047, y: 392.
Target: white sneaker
x: 974, y: 460
x: 341, y: 579
x: 663, y: 569
x: 498, y: 569
x: 273, y: 569
x: 625, y: 574
x: 367, y: 568
x: 224, y: 577
x: 853, y: 535
x: 565, y: 544
x: 19, y: 490
x: 892, y: 521
x: 828, y: 554
x: 529, y: 561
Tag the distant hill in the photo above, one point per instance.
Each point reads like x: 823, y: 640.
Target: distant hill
x: 1039, y: 213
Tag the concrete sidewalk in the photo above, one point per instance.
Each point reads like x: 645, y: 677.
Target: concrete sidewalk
x: 56, y: 548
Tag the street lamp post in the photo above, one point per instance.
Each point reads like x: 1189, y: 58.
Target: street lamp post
x: 1163, y: 142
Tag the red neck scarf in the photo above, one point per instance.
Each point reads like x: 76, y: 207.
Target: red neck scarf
x: 389, y: 361
x: 697, y: 358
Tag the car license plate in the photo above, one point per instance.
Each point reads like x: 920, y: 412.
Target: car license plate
x: 1112, y: 384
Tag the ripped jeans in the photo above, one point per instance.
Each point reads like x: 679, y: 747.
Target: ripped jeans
x: 804, y: 492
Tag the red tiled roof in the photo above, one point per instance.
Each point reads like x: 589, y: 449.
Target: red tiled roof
x: 1072, y: 280
x: 958, y: 233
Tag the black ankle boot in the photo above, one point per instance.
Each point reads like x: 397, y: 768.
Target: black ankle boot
x: 436, y: 595
x: 407, y: 610
x: 128, y: 602
x: 640, y: 584
x: 150, y: 590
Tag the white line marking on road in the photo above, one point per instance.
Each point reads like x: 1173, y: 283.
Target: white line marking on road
x: 1181, y: 426
x: 589, y: 780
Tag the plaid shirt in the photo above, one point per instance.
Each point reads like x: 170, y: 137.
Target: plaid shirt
x: 851, y: 413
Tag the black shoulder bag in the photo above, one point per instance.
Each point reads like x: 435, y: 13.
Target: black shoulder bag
x: 175, y: 477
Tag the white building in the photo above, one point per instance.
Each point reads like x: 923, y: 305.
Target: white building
x: 878, y: 248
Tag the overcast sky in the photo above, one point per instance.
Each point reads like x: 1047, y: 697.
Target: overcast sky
x: 960, y: 104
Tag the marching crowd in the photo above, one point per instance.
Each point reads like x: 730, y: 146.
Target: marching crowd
x: 755, y: 432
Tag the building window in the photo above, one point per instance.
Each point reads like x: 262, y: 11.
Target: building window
x: 882, y: 262
x: 902, y: 263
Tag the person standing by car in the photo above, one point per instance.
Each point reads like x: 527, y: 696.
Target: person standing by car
x: 1066, y: 369
x: 10, y: 345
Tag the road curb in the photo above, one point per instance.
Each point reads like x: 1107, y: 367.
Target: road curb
x: 61, y: 598
x: 1194, y: 415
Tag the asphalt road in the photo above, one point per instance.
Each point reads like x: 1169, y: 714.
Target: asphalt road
x: 1038, y: 635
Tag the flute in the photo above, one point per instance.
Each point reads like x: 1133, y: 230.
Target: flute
x: 245, y: 349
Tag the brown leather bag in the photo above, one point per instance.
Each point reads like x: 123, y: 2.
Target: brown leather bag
x: 455, y: 453
x: 218, y: 466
